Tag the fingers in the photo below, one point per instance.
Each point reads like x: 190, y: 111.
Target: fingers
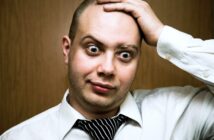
x: 125, y: 7
x: 134, y: 7
x: 140, y: 10
x: 108, y: 1
x: 136, y: 2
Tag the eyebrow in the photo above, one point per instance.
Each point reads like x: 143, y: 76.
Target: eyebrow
x: 91, y: 37
x: 128, y: 46
x: 121, y: 46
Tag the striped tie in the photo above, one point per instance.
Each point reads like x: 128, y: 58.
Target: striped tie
x: 101, y: 129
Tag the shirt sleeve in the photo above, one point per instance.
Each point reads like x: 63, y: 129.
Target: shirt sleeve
x: 193, y: 55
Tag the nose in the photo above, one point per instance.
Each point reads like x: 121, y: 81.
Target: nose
x: 106, y: 66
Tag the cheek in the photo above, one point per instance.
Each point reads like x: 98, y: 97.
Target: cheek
x: 81, y: 64
x: 127, y: 75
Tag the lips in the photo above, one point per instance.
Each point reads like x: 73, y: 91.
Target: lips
x: 100, y: 87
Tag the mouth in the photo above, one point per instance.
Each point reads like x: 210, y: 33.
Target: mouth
x: 101, y: 87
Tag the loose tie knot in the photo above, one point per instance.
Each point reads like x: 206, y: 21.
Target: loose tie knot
x: 101, y: 129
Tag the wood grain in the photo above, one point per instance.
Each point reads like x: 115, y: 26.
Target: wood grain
x: 33, y: 76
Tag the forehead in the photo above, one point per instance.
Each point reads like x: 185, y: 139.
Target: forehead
x: 120, y: 26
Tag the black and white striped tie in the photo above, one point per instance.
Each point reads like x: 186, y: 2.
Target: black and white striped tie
x: 101, y: 129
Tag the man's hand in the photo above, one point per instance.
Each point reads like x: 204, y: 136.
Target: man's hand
x: 150, y: 25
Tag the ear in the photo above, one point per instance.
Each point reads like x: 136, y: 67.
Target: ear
x: 66, y: 44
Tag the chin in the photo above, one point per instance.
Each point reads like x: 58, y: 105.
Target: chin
x: 103, y: 105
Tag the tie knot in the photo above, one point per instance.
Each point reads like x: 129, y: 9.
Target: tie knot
x: 101, y: 129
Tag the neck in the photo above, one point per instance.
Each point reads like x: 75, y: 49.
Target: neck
x: 92, y: 112
x: 99, y: 115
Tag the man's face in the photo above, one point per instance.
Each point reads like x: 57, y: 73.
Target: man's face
x: 102, y: 60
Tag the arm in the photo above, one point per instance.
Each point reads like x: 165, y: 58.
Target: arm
x: 192, y: 55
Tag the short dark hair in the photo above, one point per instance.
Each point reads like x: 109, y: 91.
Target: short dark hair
x: 76, y: 16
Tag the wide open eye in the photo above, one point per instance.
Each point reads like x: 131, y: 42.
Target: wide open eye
x: 93, y: 50
x: 125, y: 56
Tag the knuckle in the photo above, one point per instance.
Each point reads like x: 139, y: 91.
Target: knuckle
x: 145, y: 4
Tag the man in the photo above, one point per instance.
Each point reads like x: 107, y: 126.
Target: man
x: 102, y: 53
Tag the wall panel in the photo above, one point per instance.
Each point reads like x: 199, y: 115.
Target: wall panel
x: 32, y: 72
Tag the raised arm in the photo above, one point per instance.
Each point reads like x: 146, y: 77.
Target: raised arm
x: 193, y: 55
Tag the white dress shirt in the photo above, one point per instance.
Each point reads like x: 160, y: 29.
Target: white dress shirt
x: 172, y: 113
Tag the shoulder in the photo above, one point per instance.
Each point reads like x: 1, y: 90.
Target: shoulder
x: 198, y: 113
x: 33, y: 126
x: 164, y: 101
x: 165, y: 94
x: 174, y: 96
x: 178, y: 106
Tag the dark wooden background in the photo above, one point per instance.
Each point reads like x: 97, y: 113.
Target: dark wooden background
x: 33, y: 76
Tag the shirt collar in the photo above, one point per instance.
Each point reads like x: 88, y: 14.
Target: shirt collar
x: 68, y: 115
x: 130, y: 109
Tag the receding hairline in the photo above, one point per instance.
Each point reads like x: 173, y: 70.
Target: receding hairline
x: 82, y: 8
x: 77, y: 14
